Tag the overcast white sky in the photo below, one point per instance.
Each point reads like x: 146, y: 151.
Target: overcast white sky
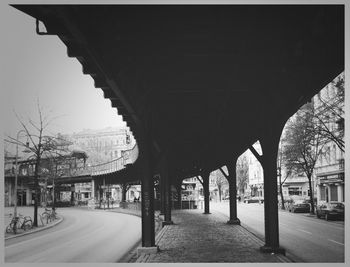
x: 37, y: 67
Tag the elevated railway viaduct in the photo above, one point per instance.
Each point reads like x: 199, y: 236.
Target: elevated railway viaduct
x: 199, y: 84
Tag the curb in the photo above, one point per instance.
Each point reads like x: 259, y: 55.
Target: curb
x: 289, y: 258
x: 131, y: 255
x: 143, y: 258
x: 37, y: 229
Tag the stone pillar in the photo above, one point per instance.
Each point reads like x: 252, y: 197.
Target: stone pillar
x: 232, y: 180
x: 269, y: 162
x: 328, y: 193
x: 72, y: 194
x: 340, y: 193
x: 92, y: 188
x: 28, y: 197
x: 318, y: 193
x: 205, y: 177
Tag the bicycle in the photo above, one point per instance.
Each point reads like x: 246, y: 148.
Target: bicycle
x: 49, y: 215
x: 19, y: 222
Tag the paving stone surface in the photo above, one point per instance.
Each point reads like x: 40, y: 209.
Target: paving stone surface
x: 198, y: 237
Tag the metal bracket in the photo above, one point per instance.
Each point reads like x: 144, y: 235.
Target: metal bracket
x: 38, y: 30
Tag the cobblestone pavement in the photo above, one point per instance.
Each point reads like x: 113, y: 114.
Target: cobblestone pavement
x: 198, y: 237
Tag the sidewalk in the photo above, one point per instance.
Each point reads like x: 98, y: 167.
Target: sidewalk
x: 27, y: 211
x: 198, y: 237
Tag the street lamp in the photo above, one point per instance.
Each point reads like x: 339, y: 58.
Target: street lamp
x: 16, y: 172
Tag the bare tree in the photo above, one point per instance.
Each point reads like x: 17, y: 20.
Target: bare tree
x: 242, y: 169
x: 303, y: 145
x: 280, y: 166
x: 39, y: 144
x: 220, y: 181
x: 125, y: 187
x: 329, y: 113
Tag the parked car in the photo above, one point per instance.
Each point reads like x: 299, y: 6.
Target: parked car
x: 299, y: 206
x: 226, y: 198
x: 253, y: 200
x: 329, y: 211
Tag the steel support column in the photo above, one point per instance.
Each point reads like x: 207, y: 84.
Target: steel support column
x: 162, y: 194
x: 269, y: 145
x: 178, y: 190
x: 147, y: 197
x: 167, y: 192
x: 205, y: 177
x: 232, y: 180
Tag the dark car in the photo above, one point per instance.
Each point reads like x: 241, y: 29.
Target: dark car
x: 253, y: 200
x: 331, y: 211
x: 299, y: 206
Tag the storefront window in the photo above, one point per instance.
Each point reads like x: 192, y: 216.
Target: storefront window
x: 334, y: 193
x: 294, y: 191
x: 322, y: 193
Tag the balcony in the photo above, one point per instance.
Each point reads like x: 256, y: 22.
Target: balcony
x: 330, y: 168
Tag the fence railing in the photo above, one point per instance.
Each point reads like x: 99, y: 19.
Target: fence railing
x: 127, y: 157
x: 330, y: 168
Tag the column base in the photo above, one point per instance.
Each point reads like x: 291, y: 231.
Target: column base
x: 167, y: 223
x: 234, y: 221
x: 206, y: 213
x: 147, y: 250
x: 268, y: 249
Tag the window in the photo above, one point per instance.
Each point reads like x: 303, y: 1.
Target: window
x: 322, y: 193
x: 334, y: 193
x: 294, y: 191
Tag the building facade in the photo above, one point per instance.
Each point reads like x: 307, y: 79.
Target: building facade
x: 255, y: 174
x: 102, y: 145
x: 329, y: 169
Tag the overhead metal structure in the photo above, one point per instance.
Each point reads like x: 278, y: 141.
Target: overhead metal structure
x: 200, y: 84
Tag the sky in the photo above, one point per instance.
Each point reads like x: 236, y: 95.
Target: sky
x: 36, y: 68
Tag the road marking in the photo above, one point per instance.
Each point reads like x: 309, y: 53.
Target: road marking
x: 305, y: 231
x: 336, y: 242
x: 314, y: 220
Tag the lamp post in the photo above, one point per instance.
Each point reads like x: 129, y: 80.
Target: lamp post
x: 16, y: 171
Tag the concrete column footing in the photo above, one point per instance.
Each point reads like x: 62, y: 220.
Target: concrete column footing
x: 147, y: 250
x: 167, y: 223
x: 275, y: 250
x: 234, y: 221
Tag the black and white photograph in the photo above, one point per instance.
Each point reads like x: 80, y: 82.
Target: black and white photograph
x: 176, y: 132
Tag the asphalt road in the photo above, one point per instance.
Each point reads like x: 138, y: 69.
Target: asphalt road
x: 305, y: 238
x: 83, y: 236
